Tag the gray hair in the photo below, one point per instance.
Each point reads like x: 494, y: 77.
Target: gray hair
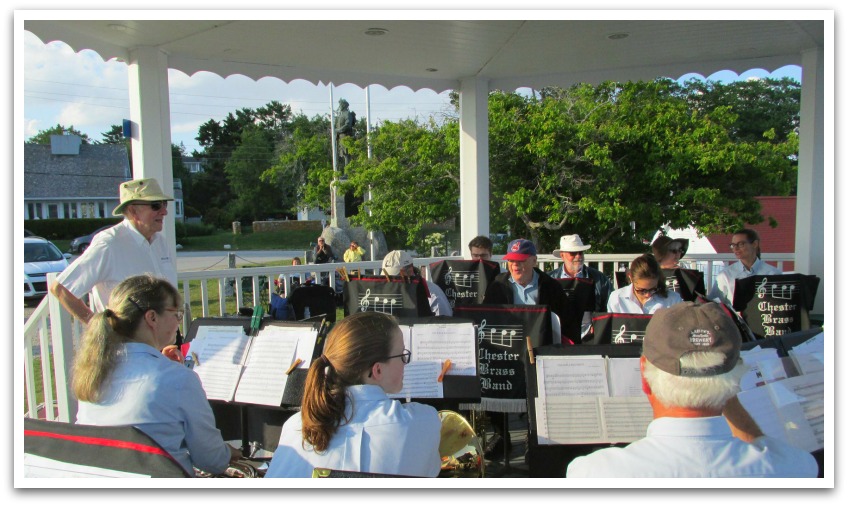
x: 705, y: 392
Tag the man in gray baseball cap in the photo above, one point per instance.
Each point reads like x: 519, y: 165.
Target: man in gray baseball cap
x: 690, y: 372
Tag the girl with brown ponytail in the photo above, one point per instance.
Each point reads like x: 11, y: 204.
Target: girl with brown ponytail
x: 121, y: 378
x: 347, y: 421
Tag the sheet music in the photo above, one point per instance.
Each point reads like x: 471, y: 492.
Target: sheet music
x: 568, y: 420
x: 306, y: 339
x: 571, y: 376
x: 765, y: 366
x: 625, y: 377
x: 420, y: 380
x: 264, y: 378
x: 807, y: 363
x: 223, y: 344
x: 406, y: 330
x: 625, y: 419
x: 219, y: 379
x: 438, y: 342
x: 791, y: 410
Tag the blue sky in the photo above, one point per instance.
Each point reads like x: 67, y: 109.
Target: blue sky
x: 80, y: 89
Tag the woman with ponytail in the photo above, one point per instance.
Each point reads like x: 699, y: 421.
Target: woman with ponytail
x: 347, y: 422
x: 121, y: 378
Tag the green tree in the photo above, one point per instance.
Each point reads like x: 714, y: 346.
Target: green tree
x: 413, y: 176
x: 43, y: 136
x: 304, y: 169
x: 115, y: 135
x: 253, y: 156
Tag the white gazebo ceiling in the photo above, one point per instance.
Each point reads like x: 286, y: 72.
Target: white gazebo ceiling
x: 437, y: 54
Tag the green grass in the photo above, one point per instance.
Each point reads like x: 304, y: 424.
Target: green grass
x: 288, y: 240
x: 39, y: 385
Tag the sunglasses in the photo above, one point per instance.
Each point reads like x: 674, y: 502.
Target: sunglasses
x: 157, y: 205
x: 675, y: 250
x: 645, y: 291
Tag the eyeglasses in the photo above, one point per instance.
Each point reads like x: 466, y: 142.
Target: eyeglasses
x: 178, y: 312
x: 573, y: 254
x: 157, y: 205
x: 645, y: 291
x: 405, y: 357
x: 738, y: 245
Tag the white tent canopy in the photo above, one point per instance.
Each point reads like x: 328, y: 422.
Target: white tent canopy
x: 472, y: 55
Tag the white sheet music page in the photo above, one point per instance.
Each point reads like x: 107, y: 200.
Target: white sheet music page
x: 220, y: 351
x: 791, y: 410
x: 625, y: 377
x: 406, y: 331
x: 571, y: 376
x: 264, y: 378
x: 568, y: 420
x: 625, y: 419
x: 440, y: 342
x: 420, y: 380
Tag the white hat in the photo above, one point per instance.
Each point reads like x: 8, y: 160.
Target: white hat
x: 395, y: 261
x: 570, y: 244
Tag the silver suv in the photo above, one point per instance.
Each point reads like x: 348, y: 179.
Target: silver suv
x: 40, y: 258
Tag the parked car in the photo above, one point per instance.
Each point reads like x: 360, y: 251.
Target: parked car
x: 40, y: 258
x: 79, y: 245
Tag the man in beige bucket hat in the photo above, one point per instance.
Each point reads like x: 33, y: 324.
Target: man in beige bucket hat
x: 134, y: 246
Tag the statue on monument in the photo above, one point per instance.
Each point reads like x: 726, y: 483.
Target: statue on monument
x: 345, y: 120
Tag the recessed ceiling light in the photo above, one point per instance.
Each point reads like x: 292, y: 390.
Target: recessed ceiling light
x: 117, y: 27
x: 431, y: 69
x: 376, y: 32
x: 618, y: 36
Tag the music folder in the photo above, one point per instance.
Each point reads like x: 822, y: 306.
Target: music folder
x: 235, y: 367
x: 432, y: 341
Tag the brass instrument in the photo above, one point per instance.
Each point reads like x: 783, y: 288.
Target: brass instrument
x: 459, y: 447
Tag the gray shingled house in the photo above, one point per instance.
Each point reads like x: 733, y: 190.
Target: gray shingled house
x: 68, y: 179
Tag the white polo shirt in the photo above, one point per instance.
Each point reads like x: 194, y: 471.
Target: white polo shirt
x: 114, y: 255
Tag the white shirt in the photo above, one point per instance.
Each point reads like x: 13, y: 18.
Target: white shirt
x: 725, y: 283
x: 439, y: 303
x: 624, y: 300
x: 114, y: 255
x: 695, y: 448
x: 165, y: 400
x: 383, y: 436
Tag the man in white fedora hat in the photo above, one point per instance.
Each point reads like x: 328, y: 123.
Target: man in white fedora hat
x: 571, y: 249
x: 134, y: 246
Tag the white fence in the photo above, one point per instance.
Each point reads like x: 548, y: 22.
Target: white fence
x: 51, y: 328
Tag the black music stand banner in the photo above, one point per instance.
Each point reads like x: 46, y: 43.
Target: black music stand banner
x: 619, y: 328
x: 401, y: 297
x: 774, y: 305
x: 579, y: 291
x: 502, y: 331
x: 464, y: 281
x: 686, y: 282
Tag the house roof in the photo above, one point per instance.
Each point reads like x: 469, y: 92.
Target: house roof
x: 95, y: 173
x: 779, y: 239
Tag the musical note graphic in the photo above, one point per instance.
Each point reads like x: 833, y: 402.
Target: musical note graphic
x: 385, y: 303
x: 503, y: 336
x: 672, y: 284
x: 621, y: 336
x: 363, y: 302
x: 761, y: 288
x: 448, y: 278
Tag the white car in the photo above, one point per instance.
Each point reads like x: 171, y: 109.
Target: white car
x: 40, y: 258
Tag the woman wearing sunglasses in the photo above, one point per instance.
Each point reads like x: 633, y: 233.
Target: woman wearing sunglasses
x: 646, y: 292
x: 347, y: 421
x: 121, y: 378
x: 668, y: 251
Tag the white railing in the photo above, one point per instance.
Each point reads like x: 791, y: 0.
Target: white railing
x: 51, y: 328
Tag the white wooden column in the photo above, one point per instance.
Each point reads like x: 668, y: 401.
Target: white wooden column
x: 150, y: 113
x: 813, y: 234
x: 473, y: 161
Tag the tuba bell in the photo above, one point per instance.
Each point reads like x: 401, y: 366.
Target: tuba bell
x: 459, y: 448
